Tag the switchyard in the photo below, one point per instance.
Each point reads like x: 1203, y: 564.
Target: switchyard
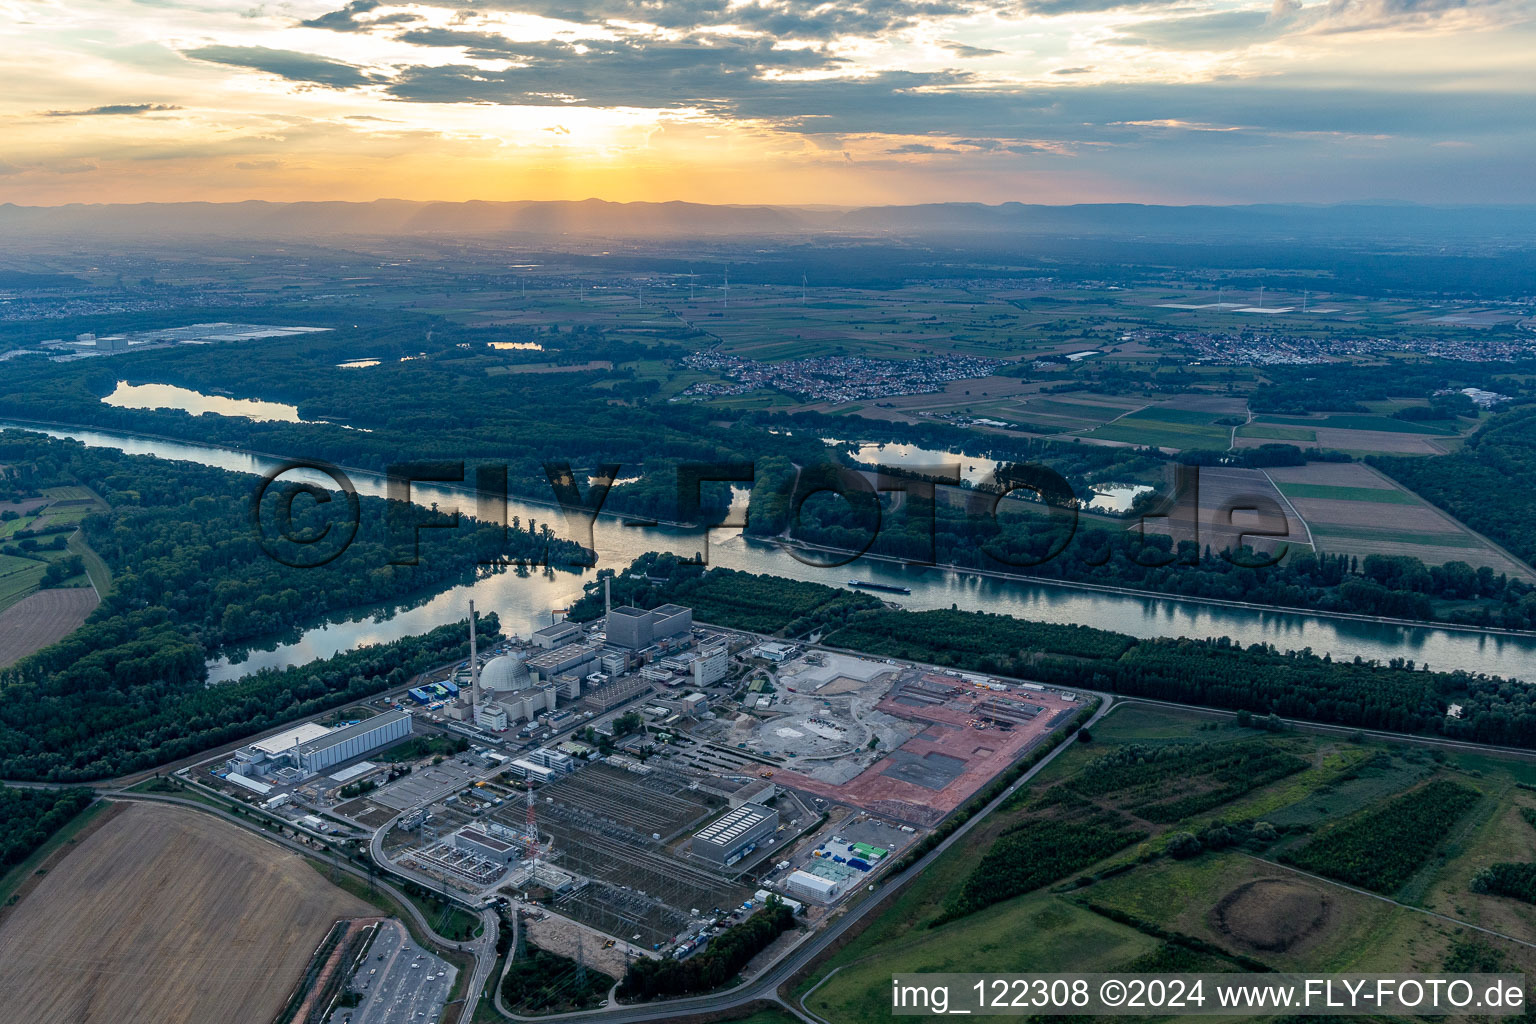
x: 628, y: 834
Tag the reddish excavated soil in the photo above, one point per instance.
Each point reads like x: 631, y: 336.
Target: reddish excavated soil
x: 950, y: 733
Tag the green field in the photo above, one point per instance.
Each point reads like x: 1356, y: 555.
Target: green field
x: 1215, y: 910
x: 1437, y: 540
x: 1381, y: 495
x: 18, y: 578
x: 1272, y: 433
x: 1362, y: 422
x: 1145, y: 429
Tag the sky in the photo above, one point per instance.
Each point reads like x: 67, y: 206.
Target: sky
x: 856, y: 102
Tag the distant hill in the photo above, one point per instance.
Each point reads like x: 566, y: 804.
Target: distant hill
x: 598, y: 218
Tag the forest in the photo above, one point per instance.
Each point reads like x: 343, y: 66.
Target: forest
x: 758, y: 603
x: 1484, y: 482
x: 545, y: 982
x: 190, y: 579
x: 1028, y: 540
x: 32, y: 815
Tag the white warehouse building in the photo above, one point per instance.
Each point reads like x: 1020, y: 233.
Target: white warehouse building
x: 355, y: 740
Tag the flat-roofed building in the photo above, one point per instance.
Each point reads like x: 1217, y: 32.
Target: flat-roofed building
x: 285, y: 741
x: 712, y: 664
x: 572, y: 659
x: 629, y: 628
x: 472, y: 840
x: 339, y: 745
x: 727, y: 839
x: 820, y: 880
x: 670, y: 620
x: 558, y: 635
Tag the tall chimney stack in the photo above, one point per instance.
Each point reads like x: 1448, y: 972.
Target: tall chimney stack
x: 474, y: 661
x: 607, y: 599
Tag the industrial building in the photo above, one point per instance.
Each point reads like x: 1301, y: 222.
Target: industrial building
x: 728, y: 839
x: 773, y: 651
x: 711, y: 665
x: 306, y: 750
x: 637, y: 628
x: 489, y: 715
x: 558, y: 635
x: 283, y: 742
x: 545, y: 757
x: 577, y: 659
x: 822, y: 880
x: 339, y: 745
x: 475, y: 841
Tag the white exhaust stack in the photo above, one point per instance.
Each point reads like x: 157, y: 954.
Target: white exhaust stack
x: 607, y: 599
x: 474, y: 661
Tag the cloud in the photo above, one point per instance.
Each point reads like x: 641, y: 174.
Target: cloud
x: 779, y: 19
x: 967, y: 50
x: 711, y: 73
x: 1057, y: 8
x: 1222, y: 30
x: 258, y: 165
x: 287, y: 64
x: 113, y: 109
x: 345, y: 19
x: 1072, y: 71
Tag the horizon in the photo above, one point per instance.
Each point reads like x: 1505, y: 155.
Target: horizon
x: 808, y: 207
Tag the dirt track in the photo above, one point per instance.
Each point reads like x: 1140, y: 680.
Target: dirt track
x: 166, y: 916
x: 40, y: 619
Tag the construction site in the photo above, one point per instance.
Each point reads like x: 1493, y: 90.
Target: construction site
x: 906, y: 742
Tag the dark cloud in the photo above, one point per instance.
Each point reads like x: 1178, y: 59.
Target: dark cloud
x: 345, y: 19
x: 114, y: 109
x: 711, y: 73
x: 1053, y: 8
x: 785, y: 19
x: 967, y: 50
x: 289, y: 64
x: 1071, y: 71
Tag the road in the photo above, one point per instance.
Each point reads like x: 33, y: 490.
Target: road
x: 484, y: 948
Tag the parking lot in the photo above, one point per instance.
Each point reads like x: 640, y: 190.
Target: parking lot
x: 426, y: 785
x: 401, y: 983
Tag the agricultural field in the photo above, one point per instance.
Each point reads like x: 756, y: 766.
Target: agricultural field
x: 1352, y: 509
x: 1356, y: 433
x: 164, y: 914
x: 25, y: 560
x: 1221, y: 807
x: 41, y: 618
x: 1192, y: 423
x: 1236, y: 507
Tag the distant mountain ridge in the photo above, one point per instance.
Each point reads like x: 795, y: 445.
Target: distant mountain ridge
x: 600, y: 218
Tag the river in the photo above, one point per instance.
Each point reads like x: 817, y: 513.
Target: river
x: 527, y: 603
